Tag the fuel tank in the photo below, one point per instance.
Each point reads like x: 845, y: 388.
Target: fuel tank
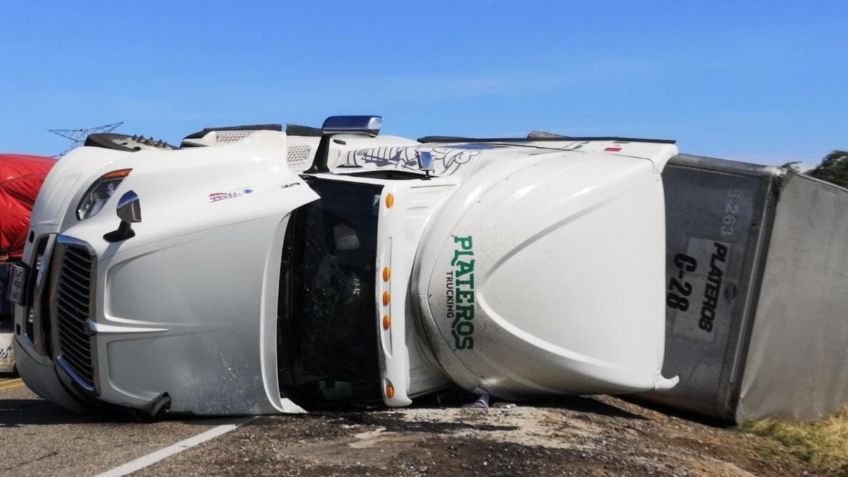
x: 545, y: 275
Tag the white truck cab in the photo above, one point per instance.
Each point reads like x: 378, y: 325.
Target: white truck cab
x: 255, y: 270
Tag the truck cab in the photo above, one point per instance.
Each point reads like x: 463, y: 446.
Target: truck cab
x: 256, y: 270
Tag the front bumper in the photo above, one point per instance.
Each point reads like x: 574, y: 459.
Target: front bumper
x: 42, y: 377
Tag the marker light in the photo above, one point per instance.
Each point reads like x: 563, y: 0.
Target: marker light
x: 387, y: 322
x: 118, y: 174
x: 387, y: 298
x: 390, y: 201
x: 99, y: 193
x: 390, y: 390
x: 387, y: 274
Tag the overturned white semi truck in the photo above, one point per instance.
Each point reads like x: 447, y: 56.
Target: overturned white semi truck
x: 256, y: 270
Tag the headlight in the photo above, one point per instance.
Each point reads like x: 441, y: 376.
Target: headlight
x: 99, y: 192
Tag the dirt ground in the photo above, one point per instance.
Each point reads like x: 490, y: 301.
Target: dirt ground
x: 596, y: 436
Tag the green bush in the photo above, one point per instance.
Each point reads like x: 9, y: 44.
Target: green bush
x: 834, y: 168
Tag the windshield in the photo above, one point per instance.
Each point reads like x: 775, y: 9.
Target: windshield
x: 327, y: 336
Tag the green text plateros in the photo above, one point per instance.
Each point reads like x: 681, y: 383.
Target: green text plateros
x: 459, y: 292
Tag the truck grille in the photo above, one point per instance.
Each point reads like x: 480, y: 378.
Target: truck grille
x: 73, y: 308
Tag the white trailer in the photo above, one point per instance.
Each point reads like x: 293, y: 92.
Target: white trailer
x: 255, y: 271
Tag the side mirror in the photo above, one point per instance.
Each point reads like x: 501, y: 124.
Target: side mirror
x: 368, y: 125
x: 353, y: 124
x: 129, y: 208
x: 129, y: 211
x: 425, y: 162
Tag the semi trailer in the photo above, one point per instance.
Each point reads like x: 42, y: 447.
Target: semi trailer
x: 757, y: 273
x: 261, y: 270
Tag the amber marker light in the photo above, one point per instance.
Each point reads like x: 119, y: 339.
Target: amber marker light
x: 119, y: 174
x: 390, y: 391
x: 387, y: 273
x: 387, y: 322
x: 387, y: 298
x: 390, y: 200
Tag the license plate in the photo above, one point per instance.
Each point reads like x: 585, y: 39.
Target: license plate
x: 7, y: 353
x: 17, y: 284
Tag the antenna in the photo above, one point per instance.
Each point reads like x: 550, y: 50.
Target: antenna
x: 77, y: 136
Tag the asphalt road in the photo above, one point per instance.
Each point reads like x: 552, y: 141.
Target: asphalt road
x: 38, y: 438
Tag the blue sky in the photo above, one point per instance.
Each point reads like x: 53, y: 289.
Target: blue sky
x: 764, y: 82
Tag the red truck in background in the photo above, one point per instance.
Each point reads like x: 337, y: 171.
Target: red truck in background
x: 21, y: 177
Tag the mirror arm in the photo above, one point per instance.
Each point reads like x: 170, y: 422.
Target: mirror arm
x: 322, y: 155
x: 123, y: 232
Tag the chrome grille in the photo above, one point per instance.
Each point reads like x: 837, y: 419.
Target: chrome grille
x: 73, y: 308
x: 30, y: 296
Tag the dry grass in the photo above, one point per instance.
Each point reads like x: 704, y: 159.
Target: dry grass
x: 823, y: 444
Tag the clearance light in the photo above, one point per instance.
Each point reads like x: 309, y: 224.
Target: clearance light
x: 387, y: 298
x: 387, y: 274
x: 387, y: 322
x: 390, y: 390
x: 390, y: 201
x: 119, y: 174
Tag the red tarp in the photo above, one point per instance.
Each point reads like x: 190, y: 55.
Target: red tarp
x: 20, y: 178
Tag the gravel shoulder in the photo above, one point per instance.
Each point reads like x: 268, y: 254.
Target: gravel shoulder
x: 577, y: 436
x: 596, y: 436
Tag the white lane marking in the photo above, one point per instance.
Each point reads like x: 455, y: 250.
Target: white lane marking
x: 162, y: 454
